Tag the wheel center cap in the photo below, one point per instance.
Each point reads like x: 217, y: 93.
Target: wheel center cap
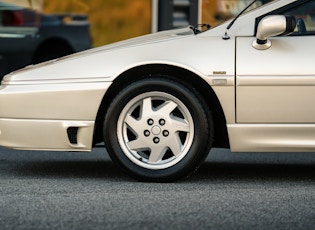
x: 156, y: 130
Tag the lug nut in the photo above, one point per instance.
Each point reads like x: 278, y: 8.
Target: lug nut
x: 165, y: 133
x: 146, y: 133
x: 150, y: 121
x: 162, y: 122
x: 156, y: 140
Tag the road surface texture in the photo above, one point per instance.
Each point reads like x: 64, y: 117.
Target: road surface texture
x: 59, y: 190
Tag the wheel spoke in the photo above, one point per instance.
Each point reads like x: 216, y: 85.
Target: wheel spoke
x: 167, y: 107
x: 175, y: 145
x: 180, y: 125
x: 146, y: 108
x: 137, y: 145
x: 156, y: 154
x: 132, y: 123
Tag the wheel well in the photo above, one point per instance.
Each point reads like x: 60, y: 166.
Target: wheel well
x: 182, y: 75
x: 52, y: 48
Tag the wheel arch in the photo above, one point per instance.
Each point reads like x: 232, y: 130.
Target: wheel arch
x: 182, y: 75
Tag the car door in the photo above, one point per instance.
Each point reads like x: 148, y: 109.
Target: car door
x: 277, y: 85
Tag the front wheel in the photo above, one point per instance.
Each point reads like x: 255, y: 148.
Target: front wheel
x: 157, y: 129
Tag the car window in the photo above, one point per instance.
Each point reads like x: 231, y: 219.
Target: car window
x: 305, y: 18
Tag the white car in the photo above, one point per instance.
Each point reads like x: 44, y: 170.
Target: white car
x: 161, y: 101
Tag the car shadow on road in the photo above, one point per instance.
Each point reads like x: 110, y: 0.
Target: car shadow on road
x: 80, y: 169
x: 220, y: 165
x: 216, y: 171
x: 209, y: 171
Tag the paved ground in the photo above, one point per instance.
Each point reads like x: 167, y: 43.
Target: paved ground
x: 40, y: 190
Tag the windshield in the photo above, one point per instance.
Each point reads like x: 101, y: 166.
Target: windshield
x: 217, y: 12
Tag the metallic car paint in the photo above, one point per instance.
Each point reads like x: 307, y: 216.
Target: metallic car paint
x: 45, y: 134
x: 283, y: 94
x: 272, y: 137
x: 77, y: 101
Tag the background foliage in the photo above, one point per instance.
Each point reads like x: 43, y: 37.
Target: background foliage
x: 111, y: 20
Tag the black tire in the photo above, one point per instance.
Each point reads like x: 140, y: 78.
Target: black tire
x: 157, y: 129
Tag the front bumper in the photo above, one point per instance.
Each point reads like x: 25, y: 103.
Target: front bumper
x: 26, y: 134
x: 50, y: 116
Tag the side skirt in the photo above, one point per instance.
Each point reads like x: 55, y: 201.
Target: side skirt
x: 272, y: 137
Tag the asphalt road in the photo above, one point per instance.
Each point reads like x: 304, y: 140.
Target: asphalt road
x: 58, y: 190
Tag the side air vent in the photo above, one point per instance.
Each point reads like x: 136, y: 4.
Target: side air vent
x: 73, y: 135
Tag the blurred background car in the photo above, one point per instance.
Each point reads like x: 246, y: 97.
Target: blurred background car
x: 28, y: 36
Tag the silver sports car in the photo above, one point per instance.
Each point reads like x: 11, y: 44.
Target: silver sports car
x: 161, y: 101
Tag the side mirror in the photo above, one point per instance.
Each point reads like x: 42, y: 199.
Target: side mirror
x: 273, y: 25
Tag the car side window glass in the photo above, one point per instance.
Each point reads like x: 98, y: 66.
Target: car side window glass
x: 305, y: 18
